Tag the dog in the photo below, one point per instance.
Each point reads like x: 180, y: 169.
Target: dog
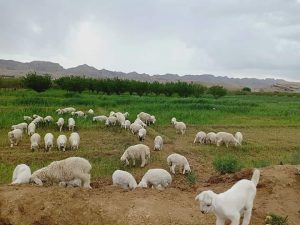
x: 231, y: 203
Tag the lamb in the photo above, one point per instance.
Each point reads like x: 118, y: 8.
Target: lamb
x: 111, y: 120
x: 126, y: 124
x: 27, y: 118
x: 123, y: 179
x: 173, y: 120
x: 61, y: 142
x: 31, y: 129
x: 226, y: 138
x: 158, y: 143
x: 90, y: 112
x: 38, y: 120
x: 66, y: 170
x: 134, y: 127
x: 48, y: 139
x: 21, y: 174
x: 231, y: 203
x: 71, y: 124
x: 35, y: 140
x: 200, y: 137
x: 146, y: 118
x: 66, y: 110
x: 48, y: 119
x: 175, y: 159
x: 238, y: 136
x: 140, y: 122
x: 100, y: 118
x: 74, y: 140
x: 78, y: 113
x: 120, y: 118
x: 180, y: 126
x: 158, y: 178
x: 142, y: 134
x: 211, y: 138
x: 21, y: 126
x: 15, y: 136
x: 134, y: 152
x: 60, y: 123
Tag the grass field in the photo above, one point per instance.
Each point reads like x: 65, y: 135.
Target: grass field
x: 270, y: 124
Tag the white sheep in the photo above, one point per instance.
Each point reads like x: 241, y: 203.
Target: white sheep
x: 21, y: 174
x: 34, y: 116
x: 120, y: 118
x: 27, y: 119
x: 74, y: 140
x: 35, y: 140
x: 158, y: 178
x: 48, y: 139
x: 126, y: 124
x: 111, y: 120
x: 38, y: 120
x: 100, y: 118
x: 180, y: 126
x: 226, y: 138
x: 64, y: 170
x: 238, y: 136
x: 175, y: 159
x: 60, y: 123
x: 31, y: 129
x: 134, y: 152
x: 90, y: 112
x: 78, y: 113
x: 112, y: 113
x: 173, y: 120
x: 126, y: 114
x: 134, y: 127
x: 71, y: 124
x: 21, y: 126
x: 66, y: 110
x: 158, y: 143
x: 61, y: 142
x: 123, y: 179
x: 140, y: 122
x: 146, y: 118
x: 48, y: 119
x: 200, y: 137
x: 142, y: 134
x: 15, y: 136
x: 211, y: 138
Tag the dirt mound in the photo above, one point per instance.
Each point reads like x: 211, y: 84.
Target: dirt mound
x: 278, y: 192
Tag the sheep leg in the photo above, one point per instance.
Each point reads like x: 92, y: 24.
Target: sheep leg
x: 173, y: 168
x: 220, y: 221
x: 85, y: 179
x: 219, y: 142
x: 143, y: 157
x: 247, y: 216
x: 235, y: 219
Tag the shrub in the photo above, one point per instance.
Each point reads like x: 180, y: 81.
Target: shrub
x: 226, y: 164
x: 246, y: 89
x: 274, y: 219
x: 217, y: 91
x: 39, y: 83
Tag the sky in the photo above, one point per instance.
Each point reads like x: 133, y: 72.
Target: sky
x: 235, y: 38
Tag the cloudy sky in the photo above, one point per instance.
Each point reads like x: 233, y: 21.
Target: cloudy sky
x: 237, y: 38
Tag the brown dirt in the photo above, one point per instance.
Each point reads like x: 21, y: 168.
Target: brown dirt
x: 278, y: 192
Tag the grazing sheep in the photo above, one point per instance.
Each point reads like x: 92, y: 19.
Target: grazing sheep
x: 31, y: 129
x: 120, y: 118
x: 230, y: 204
x: 140, y: 122
x: 35, y: 140
x: 226, y: 138
x: 60, y: 123
x: 238, y: 136
x: 112, y: 113
x: 126, y: 124
x: 134, y: 152
x: 71, y: 183
x: 211, y: 138
x: 142, y: 134
x: 48, y: 119
x: 48, y: 139
x: 158, y: 178
x: 34, y: 116
x: 78, y: 114
x: 65, y: 170
x: 15, y: 136
x: 90, y: 112
x: 175, y: 159
x: 21, y: 126
x: 126, y: 114
x: 152, y: 120
x: 61, y: 142
x: 74, y: 140
x: 146, y: 118
x: 71, y: 124
x: 28, y: 119
x: 173, y: 120
x: 123, y: 179
x: 134, y: 127
x: 100, y: 118
x: 66, y: 110
x: 21, y: 174
x: 158, y: 143
x: 200, y: 137
x: 38, y: 120
x: 180, y: 126
x: 111, y: 120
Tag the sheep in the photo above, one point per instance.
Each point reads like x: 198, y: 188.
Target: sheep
x: 126, y: 124
x: 158, y: 178
x: 140, y: 122
x: 238, y: 136
x: 65, y: 170
x: 120, y: 118
x: 48, y: 139
x: 38, y: 120
x: 126, y: 114
x: 35, y: 140
x: 142, y: 134
x: 100, y: 118
x: 112, y: 113
x: 90, y: 112
x: 173, y: 120
x: 226, y: 138
x: 152, y: 120
x: 34, y: 116
x: 15, y: 136
x: 135, y: 152
x: 74, y: 140
x: 71, y: 124
x: 230, y: 204
x: 60, y: 123
x: 66, y: 110
x: 72, y: 183
x: 200, y: 137
x: 48, y: 119
x: 21, y: 126
x: 175, y: 159
x: 31, y: 129
x: 27, y: 118
x: 158, y: 143
x: 111, y: 120
x: 61, y: 142
x: 123, y: 179
x: 146, y: 118
x: 21, y: 174
x: 78, y: 114
x: 180, y: 126
x: 211, y: 138
x: 134, y: 127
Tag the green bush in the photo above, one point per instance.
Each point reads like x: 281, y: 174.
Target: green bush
x: 39, y: 83
x: 274, y: 219
x: 217, y: 91
x: 226, y: 164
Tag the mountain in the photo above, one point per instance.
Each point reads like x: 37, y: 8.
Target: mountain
x: 11, y: 67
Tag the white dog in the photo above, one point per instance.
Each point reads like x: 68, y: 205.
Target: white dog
x: 232, y: 203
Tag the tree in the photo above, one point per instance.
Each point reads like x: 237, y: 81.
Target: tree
x: 246, y: 89
x: 36, y: 82
x: 217, y: 91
